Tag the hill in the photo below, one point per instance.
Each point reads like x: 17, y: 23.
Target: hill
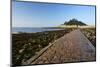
x: 75, y: 22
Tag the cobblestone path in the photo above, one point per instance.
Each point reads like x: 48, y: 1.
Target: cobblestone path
x: 72, y: 47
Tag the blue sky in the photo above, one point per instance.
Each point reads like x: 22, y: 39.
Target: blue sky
x: 30, y: 14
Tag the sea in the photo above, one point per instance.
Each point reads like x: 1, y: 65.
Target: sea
x: 31, y: 30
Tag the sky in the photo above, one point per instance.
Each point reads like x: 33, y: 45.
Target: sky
x: 32, y: 14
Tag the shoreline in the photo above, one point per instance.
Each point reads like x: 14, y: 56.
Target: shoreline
x: 27, y: 45
x: 35, y: 30
x: 31, y: 43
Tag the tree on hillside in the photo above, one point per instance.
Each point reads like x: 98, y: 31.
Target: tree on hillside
x: 74, y: 22
x: 65, y: 22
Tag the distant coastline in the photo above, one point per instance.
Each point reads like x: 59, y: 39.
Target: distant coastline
x: 16, y: 30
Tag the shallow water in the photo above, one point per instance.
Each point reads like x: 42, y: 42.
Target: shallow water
x: 32, y: 30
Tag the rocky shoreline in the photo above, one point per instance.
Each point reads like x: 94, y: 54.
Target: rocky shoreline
x: 26, y: 45
x: 90, y: 33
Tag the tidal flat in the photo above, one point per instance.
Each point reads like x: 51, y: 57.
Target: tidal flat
x: 26, y: 45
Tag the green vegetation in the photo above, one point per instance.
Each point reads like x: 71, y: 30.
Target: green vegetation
x: 26, y: 45
x: 90, y: 33
x: 74, y: 22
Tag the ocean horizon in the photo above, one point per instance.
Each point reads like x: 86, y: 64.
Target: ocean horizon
x: 32, y: 29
